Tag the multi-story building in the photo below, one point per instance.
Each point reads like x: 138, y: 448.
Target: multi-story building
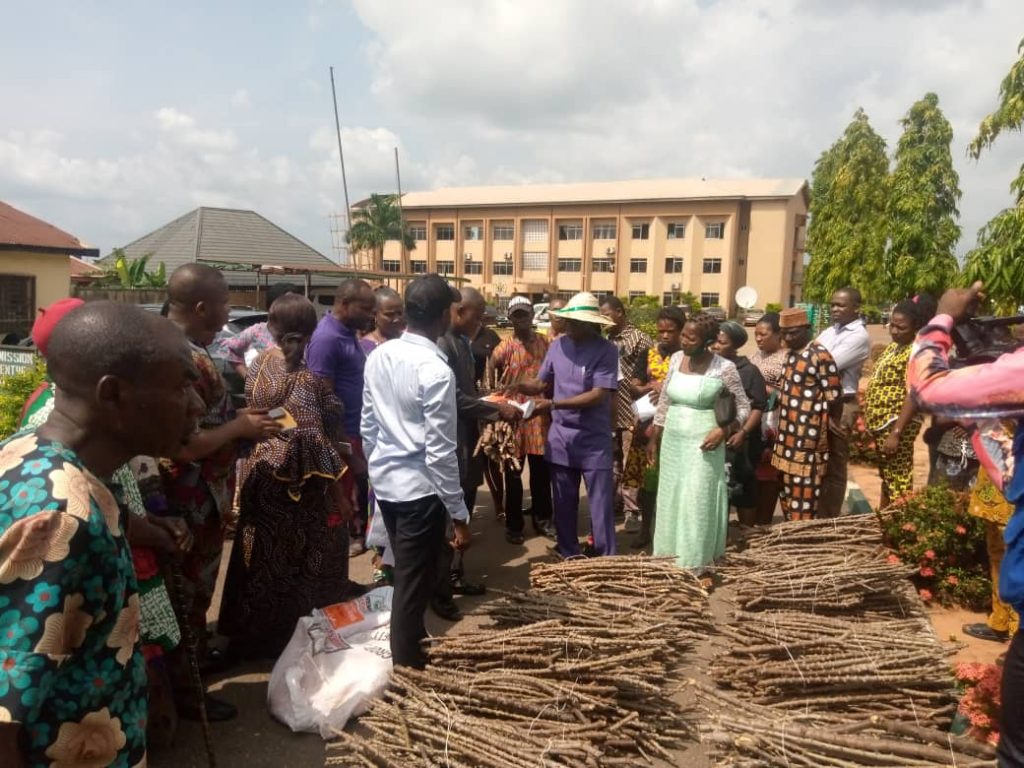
x: 659, y: 237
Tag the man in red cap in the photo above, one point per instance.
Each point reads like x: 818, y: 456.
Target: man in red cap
x: 41, y: 330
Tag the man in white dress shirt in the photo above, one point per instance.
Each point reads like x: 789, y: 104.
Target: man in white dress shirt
x: 848, y: 341
x: 409, y: 429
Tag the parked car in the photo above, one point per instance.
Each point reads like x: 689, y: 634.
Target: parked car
x: 752, y: 316
x: 717, y: 312
x: 502, y: 321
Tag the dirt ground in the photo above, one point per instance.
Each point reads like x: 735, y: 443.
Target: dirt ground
x: 256, y: 740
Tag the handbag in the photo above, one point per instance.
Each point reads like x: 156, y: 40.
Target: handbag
x: 725, y: 408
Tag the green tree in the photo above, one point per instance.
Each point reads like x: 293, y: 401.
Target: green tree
x: 132, y: 273
x: 924, y: 191
x: 376, y: 223
x: 998, y: 258
x: 846, y: 235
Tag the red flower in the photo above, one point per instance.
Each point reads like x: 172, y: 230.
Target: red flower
x: 927, y: 572
x: 925, y: 594
x: 894, y: 559
x: 930, y: 554
x: 951, y: 579
x: 909, y: 527
x: 960, y: 529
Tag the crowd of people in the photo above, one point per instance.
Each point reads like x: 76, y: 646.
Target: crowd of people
x: 360, y: 432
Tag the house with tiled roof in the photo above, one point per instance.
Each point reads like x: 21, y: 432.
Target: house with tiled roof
x: 35, y: 267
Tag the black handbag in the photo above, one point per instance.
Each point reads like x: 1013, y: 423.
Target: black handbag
x: 725, y: 408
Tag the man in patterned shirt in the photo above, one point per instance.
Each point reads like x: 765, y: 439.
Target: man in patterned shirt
x: 633, y: 345
x: 811, y: 396
x: 72, y: 680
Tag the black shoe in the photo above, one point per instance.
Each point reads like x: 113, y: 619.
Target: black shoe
x: 217, y: 710
x: 514, y: 538
x: 985, y: 632
x: 217, y: 661
x: 462, y: 587
x: 446, y: 609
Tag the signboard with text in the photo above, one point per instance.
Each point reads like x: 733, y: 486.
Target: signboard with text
x: 15, y: 359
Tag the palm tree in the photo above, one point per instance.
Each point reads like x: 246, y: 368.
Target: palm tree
x: 375, y: 223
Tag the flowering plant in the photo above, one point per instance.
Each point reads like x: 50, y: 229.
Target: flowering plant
x: 931, y: 530
x: 982, y: 699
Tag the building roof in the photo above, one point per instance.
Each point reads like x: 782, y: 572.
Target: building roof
x: 633, y: 190
x: 82, y: 270
x: 228, y: 236
x: 19, y: 230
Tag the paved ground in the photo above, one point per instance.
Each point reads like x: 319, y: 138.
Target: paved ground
x: 255, y: 740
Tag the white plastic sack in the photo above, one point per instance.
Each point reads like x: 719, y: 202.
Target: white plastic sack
x: 337, y: 661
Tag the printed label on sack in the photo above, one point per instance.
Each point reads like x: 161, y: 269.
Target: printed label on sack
x: 343, y: 614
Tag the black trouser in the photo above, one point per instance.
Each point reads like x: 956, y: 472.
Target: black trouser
x: 1011, y: 725
x: 540, y: 494
x: 416, y: 530
x: 445, y: 553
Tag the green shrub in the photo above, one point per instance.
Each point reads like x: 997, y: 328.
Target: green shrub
x: 15, y: 389
x: 931, y: 530
x: 773, y: 306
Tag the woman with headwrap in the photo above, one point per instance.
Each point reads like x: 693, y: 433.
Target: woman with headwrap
x: 744, y: 447
x: 693, y: 500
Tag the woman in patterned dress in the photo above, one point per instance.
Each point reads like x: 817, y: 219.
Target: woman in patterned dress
x: 291, y: 547
x: 693, y: 500
x: 648, y: 377
x: 770, y: 359
x: 889, y: 412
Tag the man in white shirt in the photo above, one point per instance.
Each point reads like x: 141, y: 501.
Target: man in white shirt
x: 408, y: 426
x: 848, y: 341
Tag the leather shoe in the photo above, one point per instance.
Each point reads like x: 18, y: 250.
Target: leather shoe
x: 446, y: 609
x: 217, y: 710
x: 985, y: 632
x: 513, y: 537
x: 462, y: 587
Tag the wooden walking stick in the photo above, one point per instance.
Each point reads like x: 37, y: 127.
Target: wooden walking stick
x: 191, y: 656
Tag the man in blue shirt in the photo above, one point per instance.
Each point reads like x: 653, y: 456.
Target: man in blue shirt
x: 334, y: 354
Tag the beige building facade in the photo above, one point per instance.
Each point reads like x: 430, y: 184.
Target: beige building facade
x: 632, y: 238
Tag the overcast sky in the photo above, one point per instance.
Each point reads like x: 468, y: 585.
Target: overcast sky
x: 118, y: 117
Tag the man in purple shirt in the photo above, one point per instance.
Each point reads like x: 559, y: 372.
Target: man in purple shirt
x: 334, y: 354
x: 581, y: 369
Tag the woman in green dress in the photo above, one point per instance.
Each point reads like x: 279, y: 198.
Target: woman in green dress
x: 693, y: 499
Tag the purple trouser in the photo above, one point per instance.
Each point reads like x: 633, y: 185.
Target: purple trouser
x: 565, y: 497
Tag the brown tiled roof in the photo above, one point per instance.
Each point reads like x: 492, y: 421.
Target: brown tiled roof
x: 19, y: 230
x: 81, y: 268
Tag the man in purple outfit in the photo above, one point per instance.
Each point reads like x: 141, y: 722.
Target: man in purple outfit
x: 581, y: 370
x: 334, y: 354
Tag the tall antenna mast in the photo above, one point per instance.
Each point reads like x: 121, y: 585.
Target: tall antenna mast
x: 341, y: 158
x: 401, y: 212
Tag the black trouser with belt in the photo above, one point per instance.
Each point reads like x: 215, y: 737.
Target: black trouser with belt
x: 540, y: 494
x: 416, y: 532
x: 472, y: 477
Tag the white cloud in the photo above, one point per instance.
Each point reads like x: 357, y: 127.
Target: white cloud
x: 180, y: 128
x: 241, y: 99
x: 524, y: 90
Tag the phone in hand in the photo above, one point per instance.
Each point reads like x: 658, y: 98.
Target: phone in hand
x: 282, y: 417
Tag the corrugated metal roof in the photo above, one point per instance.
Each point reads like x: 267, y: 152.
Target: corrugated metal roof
x: 231, y: 236
x: 633, y: 190
x: 18, y: 228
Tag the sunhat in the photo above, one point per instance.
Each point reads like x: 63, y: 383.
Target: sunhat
x: 585, y: 308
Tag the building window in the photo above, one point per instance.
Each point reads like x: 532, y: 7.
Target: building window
x: 446, y: 267
x: 676, y: 230
x: 709, y: 300
x: 637, y: 266
x: 535, y: 230
x: 444, y: 232
x: 636, y: 294
x: 601, y: 295
x: 602, y: 265
x: 474, y: 267
x: 418, y: 267
x: 712, y: 266
x: 535, y: 261
x: 668, y: 299
x: 565, y: 295
x: 714, y: 231
x: 418, y: 230
x: 473, y: 232
x: 502, y: 268
x: 503, y: 231
x: 673, y: 265
x: 570, y: 231
x: 570, y: 265
x: 641, y: 231
x: 604, y: 231
x: 392, y: 265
